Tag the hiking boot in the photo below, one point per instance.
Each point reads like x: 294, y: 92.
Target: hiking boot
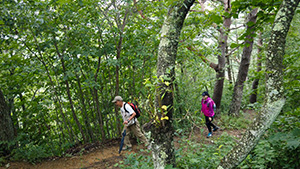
x: 209, y: 135
x: 126, y: 148
x: 216, y: 128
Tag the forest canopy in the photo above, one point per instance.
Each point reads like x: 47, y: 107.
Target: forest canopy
x: 62, y: 62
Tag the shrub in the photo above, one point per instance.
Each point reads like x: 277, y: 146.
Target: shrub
x: 280, y: 147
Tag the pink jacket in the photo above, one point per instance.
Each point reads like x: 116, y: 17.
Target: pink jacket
x: 208, y: 107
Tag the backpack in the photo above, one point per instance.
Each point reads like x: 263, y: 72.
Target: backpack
x: 135, y: 109
x: 214, y: 105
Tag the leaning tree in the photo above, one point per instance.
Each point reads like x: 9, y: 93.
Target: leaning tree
x: 274, y: 89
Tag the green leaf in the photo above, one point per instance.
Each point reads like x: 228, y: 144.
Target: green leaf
x: 233, y: 45
x: 235, y: 15
x: 216, y: 18
x: 293, y: 144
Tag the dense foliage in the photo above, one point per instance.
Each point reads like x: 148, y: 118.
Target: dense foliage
x: 62, y: 62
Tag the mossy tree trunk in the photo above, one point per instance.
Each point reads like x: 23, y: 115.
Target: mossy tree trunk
x: 244, y: 66
x: 6, y: 127
x: 274, y: 90
x: 162, y: 133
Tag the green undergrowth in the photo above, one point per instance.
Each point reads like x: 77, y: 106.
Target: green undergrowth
x: 231, y: 122
x: 34, y: 152
x: 189, y: 154
x: 136, y: 160
x: 198, y: 155
x: 280, y: 146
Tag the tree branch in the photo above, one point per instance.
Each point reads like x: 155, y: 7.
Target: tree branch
x: 228, y: 54
x: 204, y: 59
x: 139, y: 11
x: 237, y: 27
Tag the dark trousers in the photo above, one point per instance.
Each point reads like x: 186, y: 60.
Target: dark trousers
x: 209, y: 123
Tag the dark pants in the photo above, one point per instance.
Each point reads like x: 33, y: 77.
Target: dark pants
x: 209, y: 124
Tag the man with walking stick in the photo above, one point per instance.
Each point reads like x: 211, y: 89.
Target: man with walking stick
x: 130, y: 122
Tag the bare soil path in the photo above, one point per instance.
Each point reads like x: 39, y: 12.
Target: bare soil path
x: 99, y: 157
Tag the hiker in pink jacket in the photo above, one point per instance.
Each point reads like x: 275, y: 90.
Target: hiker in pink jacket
x: 208, y: 110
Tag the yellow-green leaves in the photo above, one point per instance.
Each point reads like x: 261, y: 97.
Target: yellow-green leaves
x: 164, y: 107
x: 164, y: 118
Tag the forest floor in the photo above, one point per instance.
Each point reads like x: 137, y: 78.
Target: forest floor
x: 105, y: 156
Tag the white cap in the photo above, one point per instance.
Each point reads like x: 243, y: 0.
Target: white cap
x: 117, y: 98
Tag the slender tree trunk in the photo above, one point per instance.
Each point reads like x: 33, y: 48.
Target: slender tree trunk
x: 93, y: 107
x: 97, y: 101
x: 96, y: 120
x: 72, y: 106
x: 118, y: 123
x: 162, y: 135
x: 244, y: 66
x: 119, y: 48
x: 220, y: 73
x: 58, y: 103
x: 253, y: 96
x: 229, y: 69
x: 106, y: 102
x: 84, y: 110
x: 69, y: 95
x: 121, y: 25
x: 100, y: 118
x: 6, y: 127
x: 274, y: 89
x: 56, y: 98
x: 62, y: 136
x: 107, y: 127
x: 67, y: 123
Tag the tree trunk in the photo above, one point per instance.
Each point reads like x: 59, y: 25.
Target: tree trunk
x: 62, y: 136
x: 220, y: 72
x: 96, y: 120
x: 229, y: 69
x: 56, y: 98
x: 218, y: 88
x: 119, y: 49
x: 6, y: 127
x: 97, y: 102
x: 162, y: 135
x: 99, y: 115
x: 84, y: 110
x: 71, y: 104
x: 118, y: 84
x: 69, y: 94
x: 92, y: 108
x: 66, y: 121
x: 274, y: 89
x: 253, y: 96
x: 244, y: 66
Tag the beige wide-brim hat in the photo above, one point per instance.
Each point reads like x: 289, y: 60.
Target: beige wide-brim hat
x: 117, y: 98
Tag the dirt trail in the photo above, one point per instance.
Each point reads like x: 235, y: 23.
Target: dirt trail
x: 106, y: 156
x: 101, y: 158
